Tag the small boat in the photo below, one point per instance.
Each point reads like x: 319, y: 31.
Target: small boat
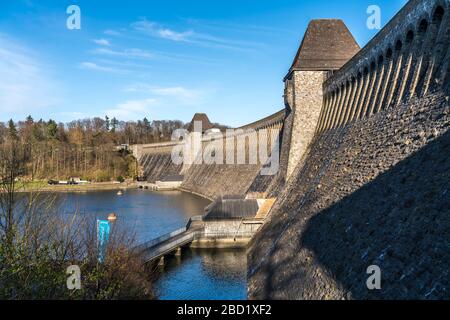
x: 112, y: 217
x: 120, y: 193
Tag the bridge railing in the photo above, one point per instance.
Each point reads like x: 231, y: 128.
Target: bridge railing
x: 231, y: 235
x: 154, y: 242
x: 188, y: 237
x: 167, y: 236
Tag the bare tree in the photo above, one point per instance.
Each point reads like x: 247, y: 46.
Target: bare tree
x: 11, y: 167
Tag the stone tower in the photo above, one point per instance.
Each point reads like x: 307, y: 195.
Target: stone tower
x: 326, y: 46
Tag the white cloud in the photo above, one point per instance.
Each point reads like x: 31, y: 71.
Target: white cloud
x: 132, y: 109
x: 96, y: 67
x: 102, y: 42
x: 24, y: 86
x: 112, y: 33
x: 153, y: 29
x: 127, y: 53
x: 176, y: 95
x: 173, y: 35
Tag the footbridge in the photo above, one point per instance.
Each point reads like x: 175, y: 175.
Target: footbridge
x: 227, y: 223
x: 195, y: 232
x: 171, y: 242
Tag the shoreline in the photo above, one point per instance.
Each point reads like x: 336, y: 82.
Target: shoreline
x: 100, y: 186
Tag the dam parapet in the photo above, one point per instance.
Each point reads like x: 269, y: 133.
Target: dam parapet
x: 406, y: 60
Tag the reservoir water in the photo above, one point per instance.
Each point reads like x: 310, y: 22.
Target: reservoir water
x: 198, y: 274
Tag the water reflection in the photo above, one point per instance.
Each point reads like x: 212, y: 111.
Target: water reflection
x: 147, y: 214
x: 208, y: 274
x: 198, y: 274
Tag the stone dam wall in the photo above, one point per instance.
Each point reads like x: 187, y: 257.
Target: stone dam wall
x: 372, y: 192
x: 363, y: 176
x: 373, y: 185
x: 213, y: 179
x: 155, y: 161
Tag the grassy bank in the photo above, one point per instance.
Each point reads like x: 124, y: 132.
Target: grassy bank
x: 96, y: 186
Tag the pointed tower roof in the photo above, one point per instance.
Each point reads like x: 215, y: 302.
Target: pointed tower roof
x: 203, y: 118
x: 327, y: 45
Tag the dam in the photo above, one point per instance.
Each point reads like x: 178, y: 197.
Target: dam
x: 361, y: 151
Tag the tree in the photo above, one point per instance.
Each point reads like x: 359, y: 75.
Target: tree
x: 114, y: 123
x: 82, y: 148
x: 37, y: 245
x: 12, y: 163
x: 29, y: 120
x: 62, y: 136
x: 36, y: 132
x: 52, y: 129
x: 12, y: 130
x: 107, y: 123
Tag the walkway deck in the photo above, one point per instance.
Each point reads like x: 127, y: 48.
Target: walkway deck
x: 197, y: 231
x: 170, y: 242
x: 170, y: 245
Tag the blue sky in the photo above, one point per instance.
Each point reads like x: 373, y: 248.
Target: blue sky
x: 159, y: 59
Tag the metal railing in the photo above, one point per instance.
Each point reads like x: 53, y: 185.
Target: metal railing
x: 156, y: 241
x: 170, y: 246
x: 157, y: 247
x: 167, y: 236
x: 189, y: 237
x: 231, y: 235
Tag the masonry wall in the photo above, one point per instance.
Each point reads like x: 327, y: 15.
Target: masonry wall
x: 406, y: 60
x: 230, y: 228
x: 372, y: 192
x: 306, y: 104
x: 213, y: 181
x: 270, y: 186
x: 156, y: 166
x: 208, y: 176
x: 372, y: 189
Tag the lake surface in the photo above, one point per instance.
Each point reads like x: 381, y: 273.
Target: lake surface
x: 198, y: 274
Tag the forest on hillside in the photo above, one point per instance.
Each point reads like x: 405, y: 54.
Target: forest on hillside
x: 82, y: 148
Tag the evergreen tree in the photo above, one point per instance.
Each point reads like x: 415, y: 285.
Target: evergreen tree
x: 107, y: 123
x: 147, y: 126
x: 29, y: 120
x: 12, y: 130
x: 114, y: 124
x: 52, y: 129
